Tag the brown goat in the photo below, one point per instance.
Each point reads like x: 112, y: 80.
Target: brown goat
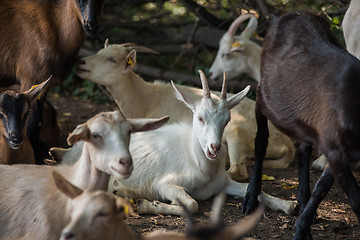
x: 42, y: 38
x: 15, y: 146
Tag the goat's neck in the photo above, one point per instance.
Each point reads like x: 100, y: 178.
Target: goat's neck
x: 254, y: 63
x: 133, y: 95
x: 87, y: 176
x: 70, y: 35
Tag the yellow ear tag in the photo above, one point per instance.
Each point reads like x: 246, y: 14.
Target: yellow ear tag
x: 235, y: 44
x: 126, y: 210
x: 34, y: 86
x: 130, y: 61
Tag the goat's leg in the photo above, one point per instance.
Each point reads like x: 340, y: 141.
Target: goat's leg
x: 250, y: 202
x: 238, y: 153
x: 172, y: 193
x: 343, y: 175
x: 322, y: 186
x: 303, y: 194
x: 239, y: 189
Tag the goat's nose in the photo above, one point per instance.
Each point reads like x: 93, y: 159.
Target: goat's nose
x: 16, y: 137
x: 126, y: 162
x: 67, y: 234
x: 91, y: 25
x: 215, y: 147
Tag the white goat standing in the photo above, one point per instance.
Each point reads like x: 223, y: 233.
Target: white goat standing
x: 100, y: 215
x: 30, y: 205
x: 183, y: 162
x: 237, y: 54
x: 113, y: 66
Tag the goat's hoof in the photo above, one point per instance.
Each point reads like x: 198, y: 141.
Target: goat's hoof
x: 250, y: 203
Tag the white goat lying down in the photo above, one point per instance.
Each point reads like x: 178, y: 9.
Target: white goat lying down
x: 237, y: 54
x: 183, y: 161
x: 113, y: 68
x: 30, y: 205
x: 100, y: 215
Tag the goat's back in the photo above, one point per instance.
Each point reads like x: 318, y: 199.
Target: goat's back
x: 27, y: 195
x: 308, y: 80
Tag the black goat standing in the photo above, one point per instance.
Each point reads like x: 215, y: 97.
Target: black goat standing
x: 310, y: 90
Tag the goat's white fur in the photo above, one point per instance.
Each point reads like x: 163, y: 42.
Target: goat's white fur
x: 183, y: 162
x: 237, y: 54
x: 137, y: 98
x: 350, y: 26
x: 30, y: 205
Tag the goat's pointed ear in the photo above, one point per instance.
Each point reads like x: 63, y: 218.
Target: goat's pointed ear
x: 80, y: 133
x: 235, y: 99
x: 190, y: 102
x: 147, y: 124
x: 65, y: 186
x: 130, y: 61
x: 37, y: 90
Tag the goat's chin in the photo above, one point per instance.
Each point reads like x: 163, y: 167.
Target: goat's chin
x: 81, y: 72
x: 120, y: 174
x: 14, y: 145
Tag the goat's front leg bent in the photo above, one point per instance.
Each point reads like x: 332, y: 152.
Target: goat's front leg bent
x: 250, y: 202
x: 239, y: 189
x: 172, y: 193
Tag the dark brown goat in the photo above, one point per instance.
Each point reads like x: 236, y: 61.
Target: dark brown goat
x: 309, y: 89
x: 14, y: 112
x: 40, y: 38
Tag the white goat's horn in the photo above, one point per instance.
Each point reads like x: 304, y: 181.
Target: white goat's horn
x: 142, y: 49
x: 205, y: 86
x: 127, y: 45
x: 250, y: 28
x: 106, y: 44
x: 224, y: 87
x: 236, y: 23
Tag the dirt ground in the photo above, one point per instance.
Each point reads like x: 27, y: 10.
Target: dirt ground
x: 335, y: 217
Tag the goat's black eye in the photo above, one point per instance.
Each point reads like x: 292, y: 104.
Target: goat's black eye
x: 111, y: 59
x: 96, y: 135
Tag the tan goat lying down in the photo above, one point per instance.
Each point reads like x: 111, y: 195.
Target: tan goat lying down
x: 113, y: 68
x: 100, y: 215
x: 30, y: 205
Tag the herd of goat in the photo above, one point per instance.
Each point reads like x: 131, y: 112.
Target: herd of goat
x: 168, y: 145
